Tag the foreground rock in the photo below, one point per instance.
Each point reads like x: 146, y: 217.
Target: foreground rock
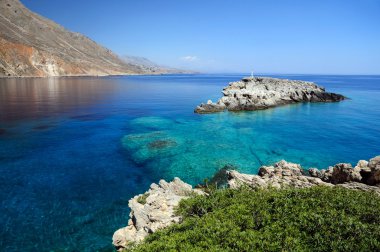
x: 282, y: 174
x: 262, y: 92
x: 152, y: 210
x: 364, y: 176
x: 364, y: 172
x: 155, y: 209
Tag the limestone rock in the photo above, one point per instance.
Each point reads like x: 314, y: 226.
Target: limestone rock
x: 344, y: 173
x: 152, y: 210
x: 374, y: 166
x: 262, y: 93
x: 155, y: 209
x: 284, y: 174
x: 364, y: 172
x: 280, y: 175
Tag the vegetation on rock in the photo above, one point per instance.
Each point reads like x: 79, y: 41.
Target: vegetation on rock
x: 142, y: 199
x: 309, y: 219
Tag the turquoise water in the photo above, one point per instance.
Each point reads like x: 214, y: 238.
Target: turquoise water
x: 73, y: 151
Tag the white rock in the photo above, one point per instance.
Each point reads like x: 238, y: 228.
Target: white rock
x: 261, y: 93
x: 153, y: 213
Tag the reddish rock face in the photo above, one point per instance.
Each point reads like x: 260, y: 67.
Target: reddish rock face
x: 31, y: 45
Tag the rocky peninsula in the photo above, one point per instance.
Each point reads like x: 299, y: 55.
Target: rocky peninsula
x: 257, y: 93
x: 155, y: 209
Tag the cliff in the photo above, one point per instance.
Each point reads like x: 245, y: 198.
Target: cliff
x: 263, y: 92
x: 31, y: 45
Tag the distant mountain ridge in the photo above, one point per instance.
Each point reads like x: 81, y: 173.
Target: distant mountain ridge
x: 150, y: 66
x: 31, y: 45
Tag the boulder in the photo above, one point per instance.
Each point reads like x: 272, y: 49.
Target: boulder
x: 374, y: 167
x: 281, y: 174
x: 345, y: 173
x: 338, y: 174
x: 153, y: 210
x: 284, y: 174
x: 209, y: 108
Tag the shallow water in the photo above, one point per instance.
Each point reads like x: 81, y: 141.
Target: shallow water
x: 74, y: 150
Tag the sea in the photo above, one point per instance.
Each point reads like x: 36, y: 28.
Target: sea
x: 74, y: 150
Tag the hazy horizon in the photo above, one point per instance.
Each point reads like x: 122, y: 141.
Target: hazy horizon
x: 287, y: 37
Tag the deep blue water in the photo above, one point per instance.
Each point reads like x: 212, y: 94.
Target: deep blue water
x: 73, y: 151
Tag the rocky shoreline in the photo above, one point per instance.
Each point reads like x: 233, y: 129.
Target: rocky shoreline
x: 155, y: 209
x: 257, y: 93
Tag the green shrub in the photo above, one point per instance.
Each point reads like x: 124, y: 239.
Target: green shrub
x: 313, y: 219
x: 142, y: 199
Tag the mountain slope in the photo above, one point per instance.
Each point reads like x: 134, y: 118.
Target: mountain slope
x: 31, y: 45
x: 149, y: 66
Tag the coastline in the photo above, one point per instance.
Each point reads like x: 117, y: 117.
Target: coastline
x: 89, y: 75
x: 155, y: 209
x: 104, y: 174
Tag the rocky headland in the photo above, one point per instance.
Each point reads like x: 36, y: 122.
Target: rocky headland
x: 256, y: 93
x: 155, y: 209
x: 33, y: 46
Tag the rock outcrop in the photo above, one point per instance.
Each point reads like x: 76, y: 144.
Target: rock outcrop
x: 281, y: 174
x: 262, y: 92
x: 155, y: 209
x: 31, y: 45
x: 152, y: 210
x: 364, y: 172
x: 364, y: 176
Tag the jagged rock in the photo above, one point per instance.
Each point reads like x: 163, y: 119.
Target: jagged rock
x: 152, y: 210
x: 364, y: 172
x: 155, y: 209
x: 374, y: 166
x: 210, y: 108
x: 344, y: 173
x: 362, y: 164
x: 314, y: 172
x: 284, y: 174
x: 281, y: 174
x: 262, y: 93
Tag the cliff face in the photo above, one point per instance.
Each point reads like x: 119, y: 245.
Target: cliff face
x: 31, y: 45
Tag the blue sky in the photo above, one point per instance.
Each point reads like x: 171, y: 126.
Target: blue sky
x: 271, y: 36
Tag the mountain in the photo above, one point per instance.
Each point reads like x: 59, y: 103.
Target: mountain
x: 31, y: 45
x: 149, y: 66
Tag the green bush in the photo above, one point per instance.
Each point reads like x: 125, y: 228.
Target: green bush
x: 313, y: 219
x: 142, y: 199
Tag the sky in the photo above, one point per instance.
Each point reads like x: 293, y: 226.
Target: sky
x: 231, y: 36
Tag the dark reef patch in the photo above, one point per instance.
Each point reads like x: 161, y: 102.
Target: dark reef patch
x: 161, y: 144
x: 88, y: 117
